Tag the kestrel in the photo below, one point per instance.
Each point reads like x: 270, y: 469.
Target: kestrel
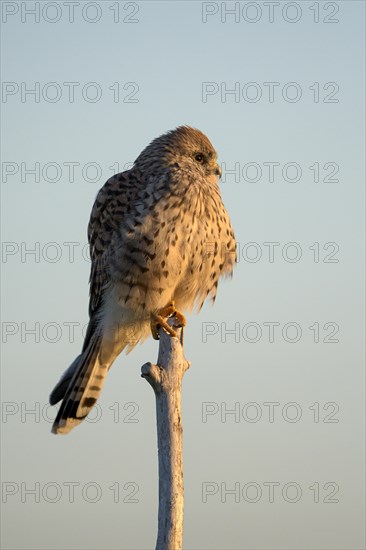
x: 160, y: 238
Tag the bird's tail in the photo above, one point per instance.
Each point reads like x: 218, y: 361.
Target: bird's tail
x: 80, y: 386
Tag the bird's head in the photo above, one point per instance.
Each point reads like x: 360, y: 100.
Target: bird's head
x: 184, y: 149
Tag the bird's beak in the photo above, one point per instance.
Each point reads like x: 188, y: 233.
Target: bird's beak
x: 216, y: 169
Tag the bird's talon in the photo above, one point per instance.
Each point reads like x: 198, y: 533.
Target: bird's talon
x: 158, y: 321
x: 180, y: 318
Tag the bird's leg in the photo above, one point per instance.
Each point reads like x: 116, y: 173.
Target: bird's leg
x: 158, y: 320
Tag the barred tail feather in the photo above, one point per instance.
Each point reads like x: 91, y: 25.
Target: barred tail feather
x: 61, y: 387
x: 84, y: 380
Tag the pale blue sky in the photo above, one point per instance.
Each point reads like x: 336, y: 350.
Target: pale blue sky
x: 168, y: 55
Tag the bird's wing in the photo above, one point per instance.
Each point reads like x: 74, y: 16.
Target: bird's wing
x: 108, y: 212
x: 82, y: 383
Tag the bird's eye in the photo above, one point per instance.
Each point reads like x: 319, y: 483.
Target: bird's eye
x: 199, y: 157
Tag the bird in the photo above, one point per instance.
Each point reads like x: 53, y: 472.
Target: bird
x: 160, y: 239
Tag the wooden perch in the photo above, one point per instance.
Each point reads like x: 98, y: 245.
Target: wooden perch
x: 166, y: 381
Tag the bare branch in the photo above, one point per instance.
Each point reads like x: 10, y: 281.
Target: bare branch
x: 166, y: 381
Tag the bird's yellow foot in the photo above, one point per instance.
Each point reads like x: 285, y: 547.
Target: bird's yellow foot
x: 158, y: 320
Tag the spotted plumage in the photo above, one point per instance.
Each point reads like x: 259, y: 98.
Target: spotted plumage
x: 158, y: 232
